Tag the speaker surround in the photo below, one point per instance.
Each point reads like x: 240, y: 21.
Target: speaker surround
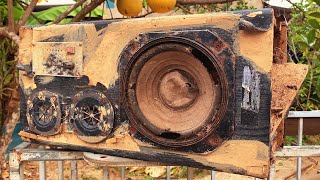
x: 173, y: 98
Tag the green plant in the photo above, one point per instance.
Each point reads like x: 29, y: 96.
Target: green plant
x: 7, y: 62
x: 17, y: 12
x: 304, y: 39
x: 200, y: 9
x: 49, y: 15
x: 241, y: 5
x: 7, y: 73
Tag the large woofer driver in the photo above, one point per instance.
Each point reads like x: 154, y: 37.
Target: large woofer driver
x: 176, y: 92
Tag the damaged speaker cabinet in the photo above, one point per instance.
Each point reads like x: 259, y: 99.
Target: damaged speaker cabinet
x: 185, y: 90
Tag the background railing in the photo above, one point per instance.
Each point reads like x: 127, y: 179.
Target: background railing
x: 300, y: 151
x: 22, y: 154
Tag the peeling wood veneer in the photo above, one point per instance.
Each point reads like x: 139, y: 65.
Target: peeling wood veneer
x: 255, y: 45
x: 286, y: 81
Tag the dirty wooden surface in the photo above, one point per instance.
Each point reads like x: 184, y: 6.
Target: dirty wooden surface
x: 286, y: 81
x: 280, y: 41
x: 252, y: 156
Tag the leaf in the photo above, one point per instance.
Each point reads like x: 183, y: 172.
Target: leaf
x: 318, y: 86
x: 8, y: 79
x: 314, y: 23
x: 317, y: 2
x: 51, y: 14
x: 316, y: 45
x: 302, y: 41
x: 66, y: 20
x: 17, y: 12
x: 315, y: 14
x: 145, y: 3
x: 311, y: 36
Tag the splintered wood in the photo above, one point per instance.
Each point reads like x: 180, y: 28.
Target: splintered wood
x: 286, y: 82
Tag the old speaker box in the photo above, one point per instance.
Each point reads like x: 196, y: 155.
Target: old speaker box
x: 190, y: 90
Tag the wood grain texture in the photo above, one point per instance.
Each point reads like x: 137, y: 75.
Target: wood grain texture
x: 286, y: 82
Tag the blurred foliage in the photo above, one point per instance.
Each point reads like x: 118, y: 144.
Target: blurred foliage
x: 17, y: 12
x: 304, y: 40
x: 8, y: 65
x: 306, y: 140
x: 231, y: 6
x: 7, y: 73
x: 49, y: 15
x: 7, y: 61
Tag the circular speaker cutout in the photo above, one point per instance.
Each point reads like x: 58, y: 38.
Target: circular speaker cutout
x: 175, y: 92
x: 44, y: 113
x: 92, y: 115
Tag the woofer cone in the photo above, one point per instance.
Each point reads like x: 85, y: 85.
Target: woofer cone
x: 175, y: 92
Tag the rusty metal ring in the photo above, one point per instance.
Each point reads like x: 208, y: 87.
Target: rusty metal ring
x: 197, y: 55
